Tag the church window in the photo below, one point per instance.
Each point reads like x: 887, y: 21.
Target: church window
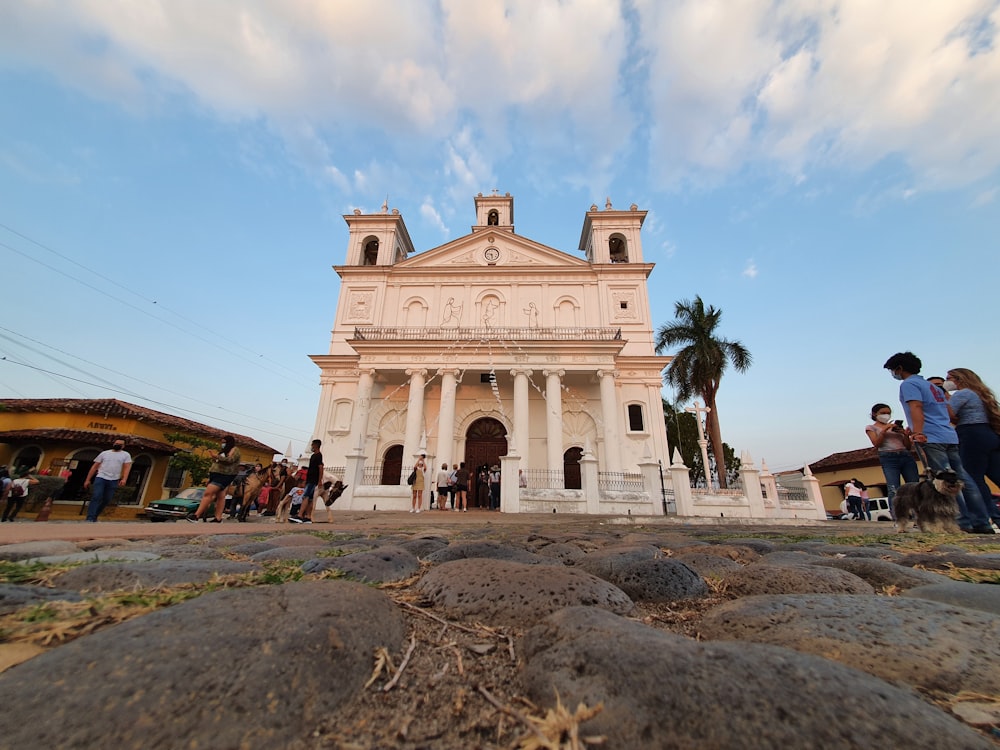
x: 493, y: 218
x: 618, y: 249
x: 371, y: 252
x: 636, y: 423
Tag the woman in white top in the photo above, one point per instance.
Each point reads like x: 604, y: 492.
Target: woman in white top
x: 893, y: 450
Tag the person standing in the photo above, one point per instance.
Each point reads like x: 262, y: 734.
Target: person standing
x: 314, y: 473
x: 419, y: 480
x: 443, y: 486
x: 16, y: 493
x: 220, y: 475
x: 109, y: 470
x: 494, y: 480
x: 929, y: 421
x: 893, y: 451
x: 977, y: 422
x: 462, y: 488
x: 852, y: 494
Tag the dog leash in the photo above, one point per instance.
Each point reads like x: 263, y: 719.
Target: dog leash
x: 922, y: 457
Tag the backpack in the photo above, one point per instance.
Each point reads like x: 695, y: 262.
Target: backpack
x: 412, y: 478
x: 16, y: 490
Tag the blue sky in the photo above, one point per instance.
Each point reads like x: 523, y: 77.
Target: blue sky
x: 173, y: 176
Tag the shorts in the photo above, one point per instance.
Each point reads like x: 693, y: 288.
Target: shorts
x: 443, y: 490
x: 221, y: 480
x: 309, y: 492
x: 461, y: 488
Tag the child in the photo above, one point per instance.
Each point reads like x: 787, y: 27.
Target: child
x: 292, y: 498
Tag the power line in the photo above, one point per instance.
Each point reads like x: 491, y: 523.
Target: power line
x: 219, y: 337
x: 125, y: 375
x: 127, y: 393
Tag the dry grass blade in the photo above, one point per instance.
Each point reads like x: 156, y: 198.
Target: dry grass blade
x: 562, y: 728
x: 382, y: 662
x: 406, y: 660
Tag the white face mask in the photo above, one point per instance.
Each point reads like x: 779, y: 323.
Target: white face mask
x: 884, y: 418
x: 949, y: 386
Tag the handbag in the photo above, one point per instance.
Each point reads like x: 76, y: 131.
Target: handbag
x: 412, y: 478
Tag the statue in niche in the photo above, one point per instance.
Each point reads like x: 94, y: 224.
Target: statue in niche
x: 452, y: 314
x: 490, y: 312
x: 532, y: 312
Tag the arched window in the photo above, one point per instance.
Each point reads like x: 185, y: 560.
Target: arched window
x: 27, y: 458
x: 618, y: 249
x: 636, y: 422
x: 493, y: 218
x: 392, y: 465
x: 371, y: 252
x: 571, y: 469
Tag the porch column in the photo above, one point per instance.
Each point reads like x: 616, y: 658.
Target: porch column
x: 325, y: 412
x: 414, y: 418
x: 446, y: 419
x: 362, y: 408
x: 522, y: 428
x: 609, y: 413
x: 553, y: 418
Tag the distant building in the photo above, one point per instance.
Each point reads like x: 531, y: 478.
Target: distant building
x: 492, y: 345
x: 63, y: 436
x: 835, y: 470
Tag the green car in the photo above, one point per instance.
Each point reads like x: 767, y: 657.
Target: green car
x: 185, y: 503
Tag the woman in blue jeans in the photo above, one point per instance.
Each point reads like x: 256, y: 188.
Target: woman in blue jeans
x: 893, y: 450
x: 977, y: 420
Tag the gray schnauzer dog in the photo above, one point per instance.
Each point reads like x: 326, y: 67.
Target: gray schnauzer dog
x: 932, y: 501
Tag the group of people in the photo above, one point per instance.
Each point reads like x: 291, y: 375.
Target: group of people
x: 952, y: 423
x: 14, y: 491
x: 287, y: 493
x: 452, y: 486
x: 856, y: 495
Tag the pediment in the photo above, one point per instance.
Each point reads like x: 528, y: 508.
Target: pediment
x: 492, y: 249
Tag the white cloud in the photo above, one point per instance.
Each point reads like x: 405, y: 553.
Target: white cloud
x: 432, y: 216
x: 750, y: 270
x: 985, y: 198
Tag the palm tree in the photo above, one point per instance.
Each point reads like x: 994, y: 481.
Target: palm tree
x: 698, y: 367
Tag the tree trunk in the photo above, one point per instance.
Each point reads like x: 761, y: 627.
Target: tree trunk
x: 715, y: 440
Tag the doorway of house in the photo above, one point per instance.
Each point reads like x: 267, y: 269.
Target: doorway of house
x: 485, y: 442
x: 571, y: 469
x: 392, y: 465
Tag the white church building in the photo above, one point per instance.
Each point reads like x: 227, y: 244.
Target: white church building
x: 493, y: 349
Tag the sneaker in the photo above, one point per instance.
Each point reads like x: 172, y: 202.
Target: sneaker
x: 455, y: 509
x: 411, y: 510
x: 295, y: 519
x: 465, y: 510
x: 215, y: 520
x: 191, y: 518
x: 418, y: 510
x: 307, y: 520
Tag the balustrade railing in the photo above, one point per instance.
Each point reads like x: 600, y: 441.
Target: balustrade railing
x: 485, y: 333
x: 543, y: 479
x: 619, y: 481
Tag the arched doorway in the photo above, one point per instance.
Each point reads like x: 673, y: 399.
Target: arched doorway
x: 392, y: 465
x: 485, y: 442
x: 571, y: 469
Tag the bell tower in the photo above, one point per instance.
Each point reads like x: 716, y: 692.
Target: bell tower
x: 377, y: 239
x: 494, y: 211
x: 612, y: 236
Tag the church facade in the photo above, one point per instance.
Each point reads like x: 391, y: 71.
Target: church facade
x: 490, y: 346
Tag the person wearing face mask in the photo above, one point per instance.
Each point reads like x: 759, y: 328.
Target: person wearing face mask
x: 111, y: 469
x: 220, y: 475
x: 977, y: 421
x: 930, y: 429
x: 894, y: 450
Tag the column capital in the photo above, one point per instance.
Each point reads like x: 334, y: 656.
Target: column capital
x: 421, y: 371
x: 521, y: 371
x: 607, y: 373
x: 557, y: 373
x: 450, y: 371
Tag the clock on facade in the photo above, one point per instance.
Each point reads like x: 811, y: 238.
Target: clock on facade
x: 491, y: 254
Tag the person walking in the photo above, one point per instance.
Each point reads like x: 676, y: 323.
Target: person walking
x: 16, y: 493
x: 419, y: 481
x: 220, y: 475
x: 852, y: 493
x: 929, y: 421
x: 314, y: 474
x: 494, y: 480
x: 109, y: 471
x: 462, y: 488
x: 977, y: 422
x: 894, y: 451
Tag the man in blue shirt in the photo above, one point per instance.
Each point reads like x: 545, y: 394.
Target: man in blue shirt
x: 929, y: 419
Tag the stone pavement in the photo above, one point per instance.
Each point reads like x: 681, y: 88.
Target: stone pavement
x: 489, y: 630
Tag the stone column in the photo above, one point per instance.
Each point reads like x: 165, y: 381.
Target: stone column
x: 446, y: 419
x: 609, y: 414
x: 649, y: 467
x: 590, y: 482
x: 680, y: 483
x: 362, y: 408
x: 354, y: 472
x: 414, y: 420
x: 553, y: 418
x: 522, y: 427
x: 510, y: 492
x: 750, y: 477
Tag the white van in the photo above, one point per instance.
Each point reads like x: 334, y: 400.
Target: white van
x: 877, y: 506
